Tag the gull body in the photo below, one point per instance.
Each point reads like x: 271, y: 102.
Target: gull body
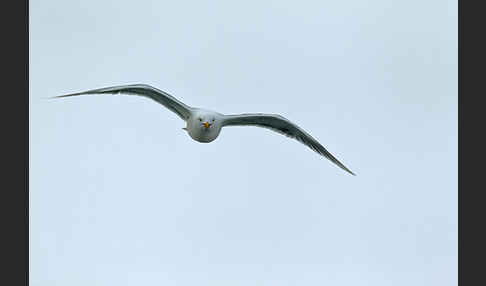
x: 205, y: 125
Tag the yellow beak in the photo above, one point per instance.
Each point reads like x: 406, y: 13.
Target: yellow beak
x: 206, y: 124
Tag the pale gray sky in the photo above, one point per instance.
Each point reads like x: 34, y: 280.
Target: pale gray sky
x: 121, y: 195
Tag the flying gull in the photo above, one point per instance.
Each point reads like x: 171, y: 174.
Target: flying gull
x: 205, y: 125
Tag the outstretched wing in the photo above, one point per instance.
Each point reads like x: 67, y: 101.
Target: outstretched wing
x: 167, y: 100
x: 283, y: 126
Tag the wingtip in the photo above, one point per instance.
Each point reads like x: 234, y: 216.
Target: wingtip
x: 67, y: 95
x: 344, y: 168
x: 53, y: 97
x: 349, y: 171
x: 59, y: 96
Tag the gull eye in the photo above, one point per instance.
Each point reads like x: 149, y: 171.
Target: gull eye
x: 213, y: 119
x: 200, y: 119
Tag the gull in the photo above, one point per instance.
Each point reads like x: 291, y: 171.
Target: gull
x: 205, y: 125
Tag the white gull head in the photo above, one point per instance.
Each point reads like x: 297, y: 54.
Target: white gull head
x: 204, y: 125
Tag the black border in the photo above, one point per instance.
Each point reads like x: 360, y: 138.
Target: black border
x: 14, y: 118
x: 471, y: 208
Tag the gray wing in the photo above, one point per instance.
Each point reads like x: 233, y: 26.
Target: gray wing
x: 167, y: 100
x: 283, y: 126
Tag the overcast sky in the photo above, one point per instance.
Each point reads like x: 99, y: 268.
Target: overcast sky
x: 121, y: 195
